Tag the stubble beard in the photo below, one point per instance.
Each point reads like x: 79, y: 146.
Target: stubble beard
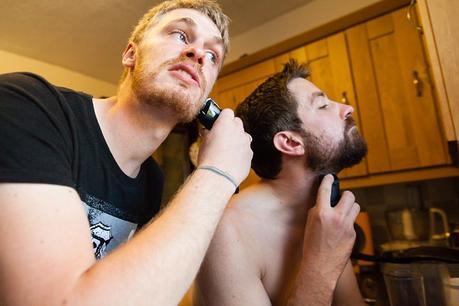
x: 176, y: 101
x: 325, y: 157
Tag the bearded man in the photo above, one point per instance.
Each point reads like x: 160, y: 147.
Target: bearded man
x: 280, y: 242
x: 67, y: 158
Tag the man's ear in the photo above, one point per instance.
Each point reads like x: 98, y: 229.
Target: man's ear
x: 289, y: 143
x: 130, y: 55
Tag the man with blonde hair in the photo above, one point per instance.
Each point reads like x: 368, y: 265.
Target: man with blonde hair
x: 77, y: 179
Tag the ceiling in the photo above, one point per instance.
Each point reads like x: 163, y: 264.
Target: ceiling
x: 89, y: 36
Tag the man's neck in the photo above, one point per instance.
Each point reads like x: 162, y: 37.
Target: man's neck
x: 295, y: 188
x: 132, y: 130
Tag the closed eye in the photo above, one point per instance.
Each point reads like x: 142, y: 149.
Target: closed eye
x: 323, y: 101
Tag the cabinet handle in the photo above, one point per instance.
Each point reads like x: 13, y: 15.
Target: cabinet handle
x: 411, y: 11
x: 417, y: 82
x: 344, y: 98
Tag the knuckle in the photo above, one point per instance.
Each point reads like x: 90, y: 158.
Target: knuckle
x: 238, y: 120
x: 321, y: 215
x: 316, y: 214
x: 227, y: 112
x: 336, y: 219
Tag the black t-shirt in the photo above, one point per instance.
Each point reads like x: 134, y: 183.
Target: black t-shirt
x: 51, y: 135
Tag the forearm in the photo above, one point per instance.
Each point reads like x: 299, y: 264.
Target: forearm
x: 158, y: 265
x: 347, y: 290
x: 312, y: 287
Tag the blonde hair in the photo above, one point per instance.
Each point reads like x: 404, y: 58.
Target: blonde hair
x: 210, y: 8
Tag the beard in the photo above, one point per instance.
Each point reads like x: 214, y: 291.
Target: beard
x: 326, y: 157
x: 175, y: 101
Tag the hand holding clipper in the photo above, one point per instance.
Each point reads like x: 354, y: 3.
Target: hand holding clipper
x: 207, y: 116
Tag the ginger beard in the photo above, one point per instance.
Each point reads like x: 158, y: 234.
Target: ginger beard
x: 174, y: 98
x: 324, y: 156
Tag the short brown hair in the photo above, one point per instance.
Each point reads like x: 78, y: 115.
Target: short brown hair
x: 210, y: 8
x: 268, y: 110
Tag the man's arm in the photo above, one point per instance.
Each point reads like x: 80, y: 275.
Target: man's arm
x: 328, y: 240
x: 347, y: 292
x: 47, y: 257
x: 229, y: 275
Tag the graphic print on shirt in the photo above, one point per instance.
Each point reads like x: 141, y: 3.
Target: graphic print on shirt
x: 107, y: 231
x: 101, y: 237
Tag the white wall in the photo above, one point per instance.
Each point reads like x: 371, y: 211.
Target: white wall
x: 298, y: 21
x: 57, y: 75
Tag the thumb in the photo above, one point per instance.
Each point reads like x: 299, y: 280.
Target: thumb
x: 324, y: 193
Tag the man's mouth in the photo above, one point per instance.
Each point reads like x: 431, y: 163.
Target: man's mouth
x: 186, y: 73
x: 350, y: 124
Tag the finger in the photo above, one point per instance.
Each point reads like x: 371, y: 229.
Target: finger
x: 354, y: 212
x: 345, y: 202
x: 227, y: 113
x: 324, y: 193
x: 203, y: 132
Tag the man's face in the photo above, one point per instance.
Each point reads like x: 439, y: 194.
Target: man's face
x: 332, y: 140
x: 178, y: 62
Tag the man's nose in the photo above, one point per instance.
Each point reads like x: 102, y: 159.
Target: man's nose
x: 195, y: 53
x: 346, y: 110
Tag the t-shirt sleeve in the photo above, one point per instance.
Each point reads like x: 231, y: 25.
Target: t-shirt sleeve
x: 35, y: 135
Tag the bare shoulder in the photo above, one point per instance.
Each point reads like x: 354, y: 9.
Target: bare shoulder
x: 245, y: 211
x: 232, y: 268
x: 248, y: 206
x: 240, y: 229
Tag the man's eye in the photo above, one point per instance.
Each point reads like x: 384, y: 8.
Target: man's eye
x: 180, y: 36
x: 211, y: 56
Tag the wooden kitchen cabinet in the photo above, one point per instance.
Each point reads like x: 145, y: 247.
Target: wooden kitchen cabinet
x: 379, y: 67
x: 398, y: 112
x: 230, y: 90
x: 440, y: 24
x: 299, y: 54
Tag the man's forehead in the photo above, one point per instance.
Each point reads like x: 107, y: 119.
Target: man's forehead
x: 189, y: 16
x: 302, y: 88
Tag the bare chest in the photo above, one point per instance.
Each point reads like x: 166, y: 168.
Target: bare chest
x: 282, y: 252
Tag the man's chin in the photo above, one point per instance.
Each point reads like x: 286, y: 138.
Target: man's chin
x: 351, y: 156
x: 355, y: 155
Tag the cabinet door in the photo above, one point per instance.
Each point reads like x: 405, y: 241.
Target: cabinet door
x: 399, y: 117
x: 331, y: 72
x: 233, y: 88
x: 299, y: 54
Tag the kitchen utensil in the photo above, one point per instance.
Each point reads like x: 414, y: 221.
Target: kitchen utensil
x: 416, y: 224
x: 404, y: 285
